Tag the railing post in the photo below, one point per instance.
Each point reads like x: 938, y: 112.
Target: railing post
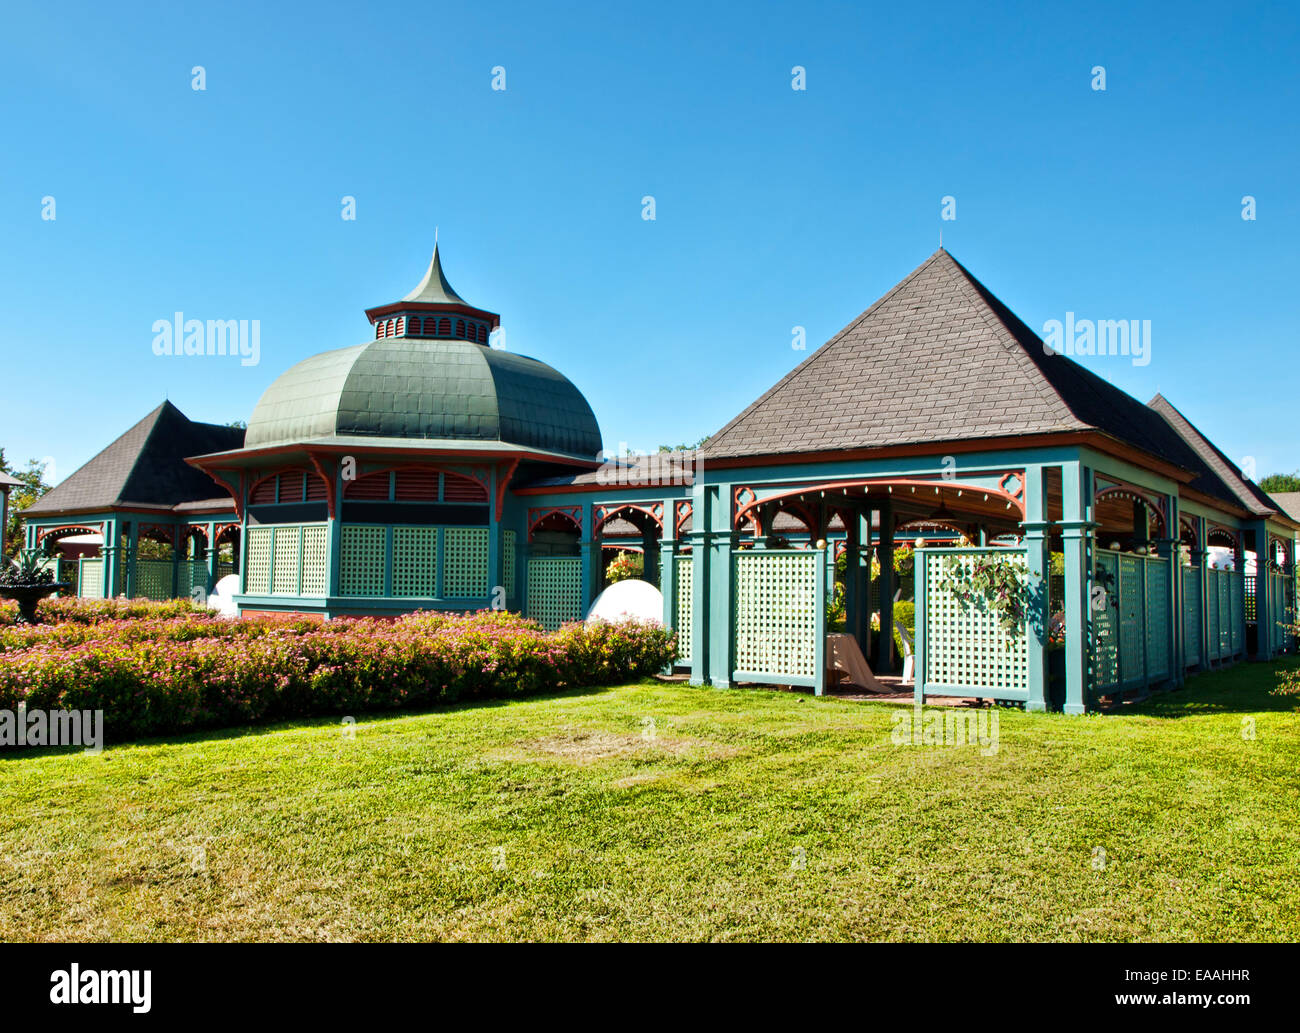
x: 819, y: 617
x: 920, y: 565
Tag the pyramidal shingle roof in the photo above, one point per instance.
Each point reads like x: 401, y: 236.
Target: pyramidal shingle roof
x: 145, y: 466
x: 1216, y: 474
x: 938, y: 358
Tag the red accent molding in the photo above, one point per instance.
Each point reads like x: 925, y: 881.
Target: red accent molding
x: 536, y: 516
x: 607, y: 511
x: 44, y: 533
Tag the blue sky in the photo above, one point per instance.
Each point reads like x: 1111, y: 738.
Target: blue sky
x: 774, y: 207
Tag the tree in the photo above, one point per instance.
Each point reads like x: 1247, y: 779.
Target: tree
x: 685, y: 448
x: 33, y: 487
x: 1281, y: 482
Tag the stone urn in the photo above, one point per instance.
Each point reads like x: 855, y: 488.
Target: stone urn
x: 28, y: 596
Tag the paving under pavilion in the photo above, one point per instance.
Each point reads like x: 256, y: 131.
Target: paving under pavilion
x: 425, y: 469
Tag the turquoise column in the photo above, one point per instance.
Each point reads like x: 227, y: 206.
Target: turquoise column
x: 824, y: 555
x: 668, y: 582
x: 1036, y: 527
x: 699, y: 538
x: 590, y: 553
x: 885, y: 642
x: 852, y: 593
x: 720, y: 630
x: 109, y: 551
x: 859, y: 572
x: 1264, y: 608
x: 496, y: 575
x: 132, y: 557
x: 1076, y: 532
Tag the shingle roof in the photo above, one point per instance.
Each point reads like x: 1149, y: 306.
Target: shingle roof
x: 1216, y: 474
x: 938, y: 358
x: 1288, y: 502
x: 8, y: 482
x: 145, y: 466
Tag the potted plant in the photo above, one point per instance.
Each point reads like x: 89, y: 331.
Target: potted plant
x: 27, y: 582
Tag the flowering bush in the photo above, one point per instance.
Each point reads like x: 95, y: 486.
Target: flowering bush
x: 167, y: 672
x: 624, y: 567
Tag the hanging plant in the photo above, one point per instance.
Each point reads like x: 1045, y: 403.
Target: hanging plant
x: 994, y: 585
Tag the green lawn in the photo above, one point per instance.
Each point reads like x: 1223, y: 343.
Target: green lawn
x: 739, y: 814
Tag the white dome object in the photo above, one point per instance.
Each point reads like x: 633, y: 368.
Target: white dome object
x: 625, y: 599
x: 222, y: 598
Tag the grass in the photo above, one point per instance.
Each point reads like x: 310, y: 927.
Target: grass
x: 661, y: 811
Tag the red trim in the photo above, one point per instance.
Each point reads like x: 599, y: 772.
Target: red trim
x: 503, y: 481
x: 375, y: 314
x: 536, y: 516
x: 44, y: 533
x: 330, y: 483
x: 603, y: 513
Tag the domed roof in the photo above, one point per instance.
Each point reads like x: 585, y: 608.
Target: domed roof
x: 401, y: 387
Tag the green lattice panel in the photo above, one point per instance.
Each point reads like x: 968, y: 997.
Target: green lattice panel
x: 285, y: 560
x: 465, y: 562
x: 1278, y: 598
x: 508, y: 564
x: 1212, y: 614
x: 1236, y: 614
x: 361, y: 566
x: 685, y: 608
x: 1132, y: 621
x: 1191, y: 616
x: 90, y: 585
x: 965, y: 645
x: 776, y: 613
x: 315, y: 560
x: 225, y: 570
x: 1157, y: 617
x: 257, y: 564
x: 191, y: 574
x: 1105, y: 621
x: 415, y: 562
x: 554, y: 590
x: 153, y: 579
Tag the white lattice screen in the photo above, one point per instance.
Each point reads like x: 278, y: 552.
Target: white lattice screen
x: 415, y: 561
x: 465, y: 562
x: 965, y: 644
x: 554, y: 590
x: 315, y: 561
x: 284, y: 562
x: 776, y: 612
x: 257, y: 565
x: 91, y: 581
x: 685, y: 608
x: 363, y: 560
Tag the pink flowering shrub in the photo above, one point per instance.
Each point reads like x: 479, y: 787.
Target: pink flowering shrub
x: 172, y: 672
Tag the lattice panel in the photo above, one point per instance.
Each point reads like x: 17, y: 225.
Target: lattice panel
x: 508, y: 564
x: 257, y: 565
x: 1132, y: 620
x: 776, y: 613
x: 91, y: 582
x: 415, y: 562
x: 685, y: 607
x: 1212, y: 614
x: 1191, y: 616
x: 1105, y: 621
x: 1237, y: 618
x: 284, y: 565
x: 1280, y: 617
x: 363, y: 559
x: 153, y: 579
x: 1157, y: 618
x: 465, y: 562
x: 965, y: 645
x: 554, y: 590
x: 315, y: 561
x: 190, y: 575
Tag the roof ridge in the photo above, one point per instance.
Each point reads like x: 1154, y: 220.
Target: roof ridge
x: 820, y: 351
x: 1246, y: 490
